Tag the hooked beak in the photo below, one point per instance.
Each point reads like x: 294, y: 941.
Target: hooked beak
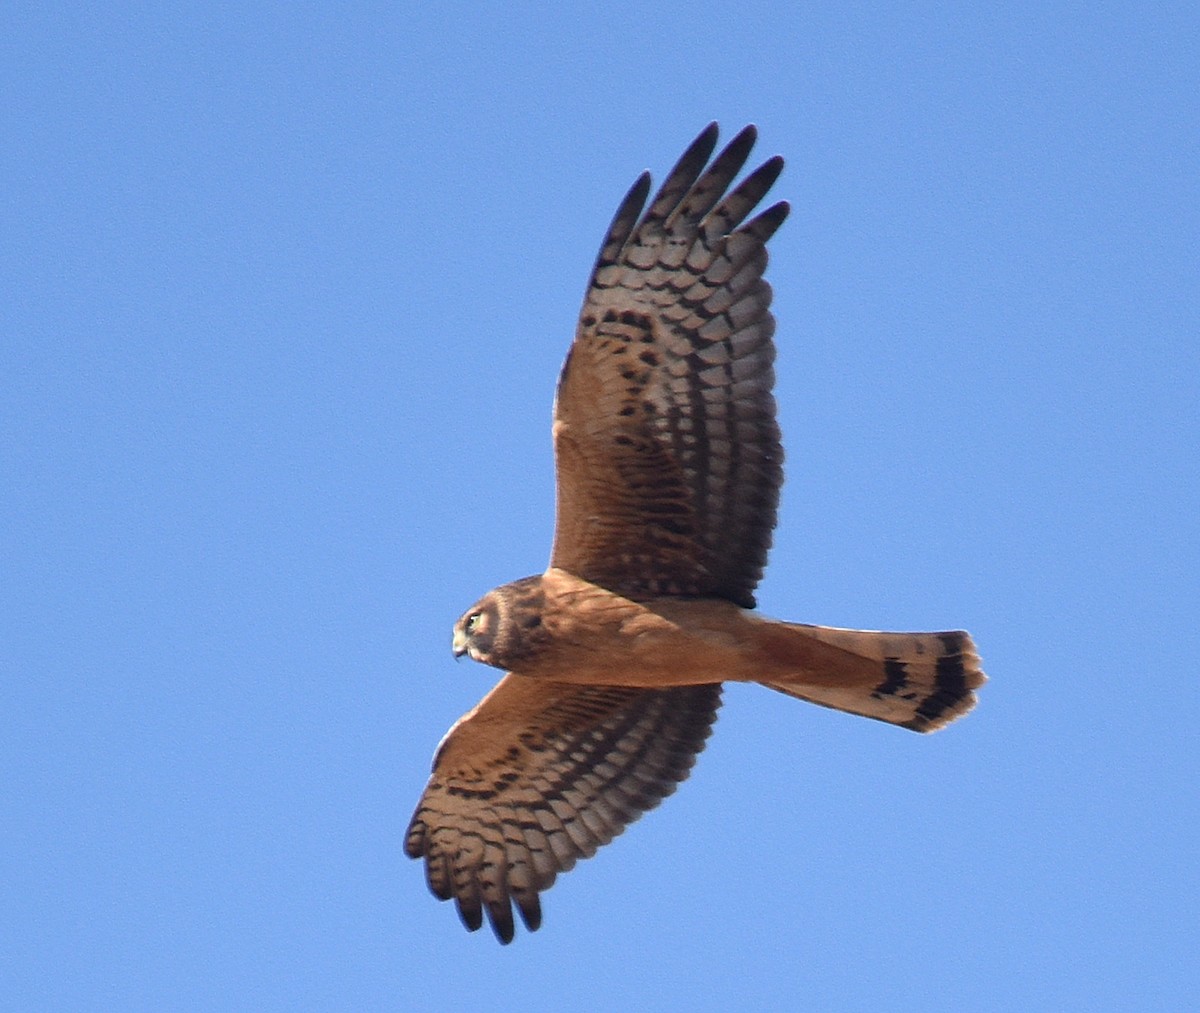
x: 459, y: 645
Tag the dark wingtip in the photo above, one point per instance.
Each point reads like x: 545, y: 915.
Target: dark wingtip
x: 631, y: 205
x: 738, y: 150
x: 765, y: 225
x: 778, y: 212
x: 691, y: 163
x: 774, y: 166
x: 531, y: 911
x: 470, y: 912
x: 747, y: 135
x: 502, y: 924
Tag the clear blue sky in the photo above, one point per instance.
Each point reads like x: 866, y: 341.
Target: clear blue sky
x: 283, y: 294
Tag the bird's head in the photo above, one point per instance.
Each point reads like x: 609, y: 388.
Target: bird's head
x: 504, y: 627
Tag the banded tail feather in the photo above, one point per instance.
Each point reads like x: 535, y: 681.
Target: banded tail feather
x: 920, y: 681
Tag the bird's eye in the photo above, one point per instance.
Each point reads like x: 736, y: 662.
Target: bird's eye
x: 472, y: 623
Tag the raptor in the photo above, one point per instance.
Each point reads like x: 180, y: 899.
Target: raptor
x: 669, y: 467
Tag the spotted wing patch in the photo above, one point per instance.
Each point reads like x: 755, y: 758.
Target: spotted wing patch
x: 669, y: 458
x: 540, y: 775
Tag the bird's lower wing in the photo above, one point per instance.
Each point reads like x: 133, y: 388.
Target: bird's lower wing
x: 541, y: 774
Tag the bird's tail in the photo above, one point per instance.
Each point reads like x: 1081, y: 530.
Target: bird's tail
x: 921, y: 681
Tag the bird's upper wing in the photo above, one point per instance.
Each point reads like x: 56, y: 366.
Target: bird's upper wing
x: 668, y: 453
x: 541, y: 774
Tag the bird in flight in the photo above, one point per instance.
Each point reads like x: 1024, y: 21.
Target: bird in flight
x: 669, y: 467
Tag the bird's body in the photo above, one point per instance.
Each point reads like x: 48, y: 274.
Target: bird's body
x: 669, y: 469
x: 589, y: 635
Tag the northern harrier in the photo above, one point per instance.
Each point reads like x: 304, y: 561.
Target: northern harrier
x: 669, y: 468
